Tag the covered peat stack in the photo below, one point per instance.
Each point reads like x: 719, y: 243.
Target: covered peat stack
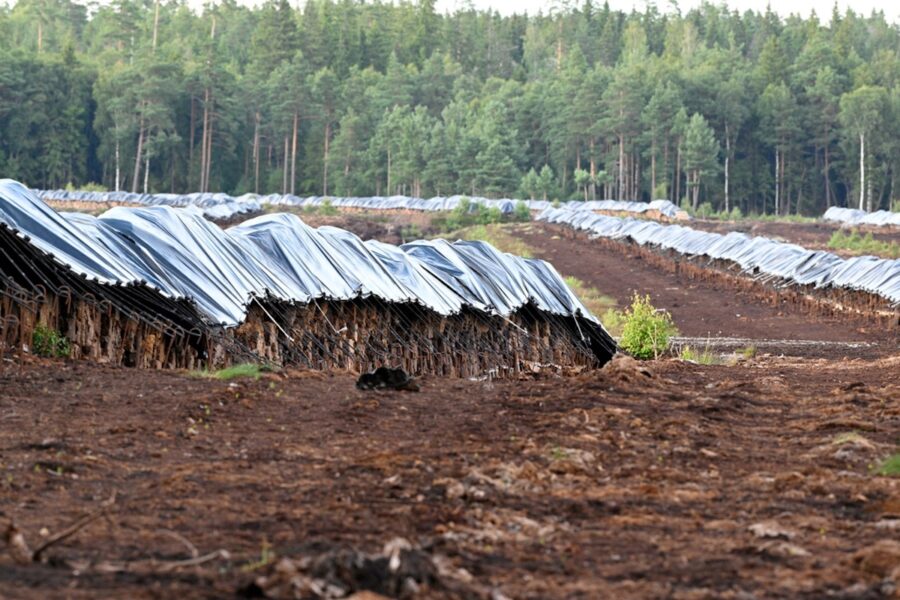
x: 163, y: 287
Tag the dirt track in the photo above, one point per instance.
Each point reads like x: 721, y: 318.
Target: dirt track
x: 609, y: 484
x: 698, y: 309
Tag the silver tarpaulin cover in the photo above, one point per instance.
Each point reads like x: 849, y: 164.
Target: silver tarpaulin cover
x: 176, y: 252
x: 758, y: 256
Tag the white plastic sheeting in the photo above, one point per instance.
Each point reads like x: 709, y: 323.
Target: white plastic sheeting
x: 854, y: 216
x: 664, y: 207
x: 223, y: 206
x: 278, y: 257
x: 761, y: 257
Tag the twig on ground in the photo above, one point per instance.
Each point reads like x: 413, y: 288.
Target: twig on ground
x: 18, y: 546
x: 183, y: 540
x: 198, y: 560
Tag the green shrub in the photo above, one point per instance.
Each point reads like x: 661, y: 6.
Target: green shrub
x: 522, y: 212
x: 327, y: 208
x: 647, y: 330
x: 468, y: 213
x: 889, y: 467
x: 49, y: 343
x: 705, y: 210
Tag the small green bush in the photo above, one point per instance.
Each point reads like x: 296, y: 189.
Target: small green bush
x: 705, y: 210
x: 647, y: 330
x: 522, y: 212
x: 468, y: 213
x: 327, y: 208
x: 49, y: 343
x: 890, y: 467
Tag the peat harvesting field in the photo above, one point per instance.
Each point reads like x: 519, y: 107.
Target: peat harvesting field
x: 754, y: 478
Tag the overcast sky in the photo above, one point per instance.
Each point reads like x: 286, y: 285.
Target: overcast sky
x: 783, y: 7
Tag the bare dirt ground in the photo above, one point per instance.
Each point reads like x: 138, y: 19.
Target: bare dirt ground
x: 814, y: 236
x: 638, y: 481
x: 663, y: 479
x: 392, y: 227
x: 702, y: 309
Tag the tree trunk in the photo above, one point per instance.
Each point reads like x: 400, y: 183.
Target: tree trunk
x: 118, y: 166
x: 777, y: 182
x: 785, y: 197
x: 389, y: 171
x: 869, y: 204
x: 208, y: 154
x: 204, y: 140
x: 862, y: 169
x: 653, y: 168
x: 636, y: 180
x: 593, y: 172
x: 294, y: 152
x: 678, y: 175
x: 137, y: 157
x: 146, y: 173
x: 666, y: 165
x: 155, y: 25
x: 727, y: 161
x: 256, y: 153
x: 191, y: 133
x: 284, y: 170
x: 621, y: 167
x: 827, y: 180
x: 325, y: 160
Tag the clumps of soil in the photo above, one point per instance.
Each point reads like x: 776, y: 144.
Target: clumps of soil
x: 386, y: 378
x: 400, y: 570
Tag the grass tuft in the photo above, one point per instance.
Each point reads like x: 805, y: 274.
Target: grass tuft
x: 889, y: 467
x: 863, y: 244
x: 251, y: 370
x: 496, y: 235
x: 701, y: 357
x: 591, y: 297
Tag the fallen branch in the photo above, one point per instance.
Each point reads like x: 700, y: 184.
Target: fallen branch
x: 18, y: 547
x: 184, y: 541
x: 193, y: 562
x: 67, y: 532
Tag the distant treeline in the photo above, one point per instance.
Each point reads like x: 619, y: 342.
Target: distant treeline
x: 350, y: 98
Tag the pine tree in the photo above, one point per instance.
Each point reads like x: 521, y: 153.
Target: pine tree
x: 701, y: 150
